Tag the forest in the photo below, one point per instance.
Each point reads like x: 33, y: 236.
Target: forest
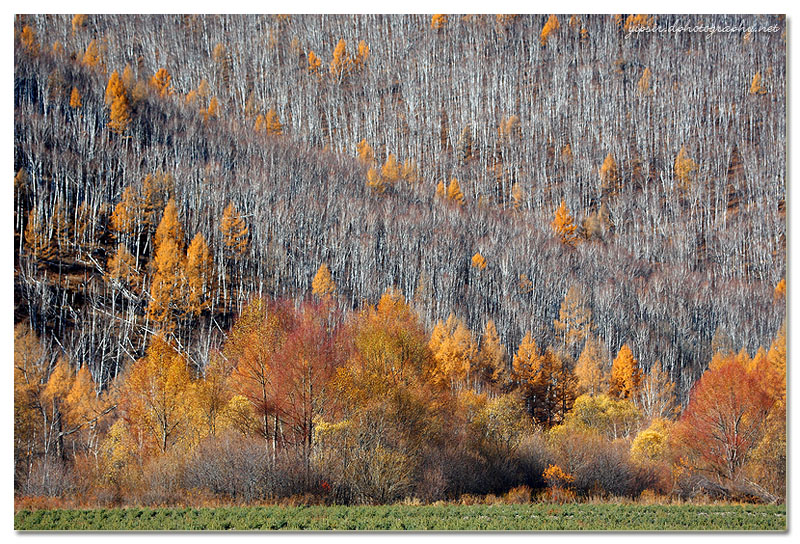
x: 365, y: 259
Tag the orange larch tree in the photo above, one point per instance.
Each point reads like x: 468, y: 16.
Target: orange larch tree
x: 199, y: 275
x: 564, y: 225
x: 322, y: 285
x: 626, y: 377
x: 235, y: 233
x: 157, y: 397
x: 161, y: 81
x: 550, y: 26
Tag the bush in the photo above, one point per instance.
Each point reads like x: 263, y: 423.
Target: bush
x: 230, y: 466
x: 48, y: 478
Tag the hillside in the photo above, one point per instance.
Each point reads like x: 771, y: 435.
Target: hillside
x: 558, y: 177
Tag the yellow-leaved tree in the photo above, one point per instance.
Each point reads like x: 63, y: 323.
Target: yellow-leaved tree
x: 161, y: 81
x: 127, y: 216
x: 168, y: 288
x: 199, y: 276
x: 341, y: 63
x: 454, y: 193
x: 643, y: 85
x: 590, y: 368
x: 390, y: 171
x: 235, y: 233
x: 626, y: 377
x: 273, y: 124
x: 91, y: 56
x: 157, y: 398
x: 438, y: 21
x: 564, y: 225
x: 550, y: 26
x: 314, y: 63
x: 322, y: 285
x: 120, y: 116
x: 685, y: 169
x: 491, y: 364
x: 75, y: 99
x: 365, y: 153
x: 756, y: 85
x: 478, y: 261
x: 453, y: 350
x: 610, y: 180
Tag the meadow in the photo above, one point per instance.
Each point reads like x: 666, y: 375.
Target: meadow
x: 527, y: 517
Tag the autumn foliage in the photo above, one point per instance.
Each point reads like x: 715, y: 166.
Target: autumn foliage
x: 258, y: 258
x: 725, y: 419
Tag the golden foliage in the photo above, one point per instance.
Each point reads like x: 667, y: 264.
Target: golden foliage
x: 341, y: 64
x: 454, y: 193
x: 685, y: 169
x: 609, y: 417
x: 375, y: 182
x: 564, y: 225
x: 213, y: 109
x: 27, y: 38
x: 390, y: 172
x: 780, y: 290
x: 322, y: 285
x: 550, y: 26
x: 120, y: 116
x: 360, y: 60
x: 157, y: 396
x: 114, y: 88
x: 517, y: 197
x: 756, y: 86
x: 478, y: 261
x: 314, y: 63
x: 365, y: 153
x: 409, y: 171
x: 168, y: 287
x: 633, y: 22
x: 559, y: 484
x: 273, y: 123
x: 438, y: 21
x: 78, y: 22
x: 126, y: 215
x: 527, y: 362
x: 161, y: 82
x: 170, y: 227
x: 122, y: 267
x: 453, y: 350
x: 490, y: 365
x: 441, y: 191
x: 235, y: 232
x: 590, y: 368
x: 199, y: 275
x: 75, y: 99
x: 651, y: 444
x: 609, y: 175
x: 626, y: 377
x: 91, y: 56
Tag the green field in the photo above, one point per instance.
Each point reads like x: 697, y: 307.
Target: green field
x: 530, y: 517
